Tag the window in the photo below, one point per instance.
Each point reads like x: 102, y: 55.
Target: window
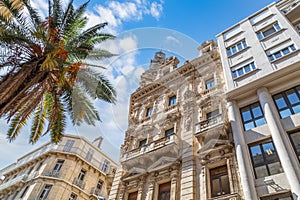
x: 69, y: 145
x: 252, y: 116
x: 89, y: 155
x: 172, y: 100
x: 270, y: 30
x: 73, y: 196
x: 105, y: 165
x: 169, y: 132
x: 164, y: 191
x: 30, y: 170
x: 243, y: 70
x: 212, y: 114
x: 39, y: 166
x: 24, y: 191
x: 236, y: 48
x: 288, y: 102
x: 149, y: 111
x: 281, y: 53
x: 143, y: 143
x: 99, y: 185
x: 58, y: 165
x: 45, y: 192
x: 133, y: 196
x: 209, y: 83
x: 265, y: 160
x: 81, y: 174
x: 295, y: 139
x: 219, y: 181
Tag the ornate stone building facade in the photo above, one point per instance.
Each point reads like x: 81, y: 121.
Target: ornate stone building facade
x: 261, y: 61
x: 178, y: 144
x: 74, y: 169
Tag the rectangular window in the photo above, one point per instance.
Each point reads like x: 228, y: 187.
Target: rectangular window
x: 288, y: 102
x: 243, y: 70
x: 172, y: 100
x: 219, y: 181
x: 58, y: 165
x: 212, y: 114
x: 69, y: 145
x: 24, y: 191
x: 265, y: 160
x: 99, y: 185
x: 45, y: 192
x: 81, y: 174
x: 73, y: 196
x: 210, y: 83
x: 164, y: 191
x: 39, y: 166
x: 133, y: 196
x: 295, y: 140
x: 149, y: 111
x: 268, y: 31
x: 105, y: 165
x: 143, y: 143
x: 281, y: 52
x: 169, y: 132
x: 252, y: 116
x: 89, y: 155
x: 236, y: 48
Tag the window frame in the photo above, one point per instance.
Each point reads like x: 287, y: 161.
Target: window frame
x: 235, y: 73
x: 149, y: 111
x: 265, y: 162
x: 143, y: 142
x: 218, y: 177
x: 172, y: 100
x: 272, y: 57
x: 164, y: 190
x: 293, y: 143
x: 24, y: 191
x: 210, y: 83
x: 82, y: 174
x: 253, y: 118
x: 243, y: 44
x: 58, y: 164
x: 73, y: 198
x: 168, y: 132
x: 288, y: 106
x: 261, y: 33
x: 213, y: 114
x: 45, y: 192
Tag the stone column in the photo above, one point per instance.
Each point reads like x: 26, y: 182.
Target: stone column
x: 150, y: 190
x: 246, y: 174
x: 140, y: 188
x: 279, y: 138
x: 173, y: 191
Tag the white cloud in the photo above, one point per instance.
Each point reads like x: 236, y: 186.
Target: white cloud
x: 156, y: 9
x: 172, y: 39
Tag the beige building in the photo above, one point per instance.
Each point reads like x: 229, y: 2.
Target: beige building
x: 178, y: 144
x: 261, y: 61
x: 74, y: 169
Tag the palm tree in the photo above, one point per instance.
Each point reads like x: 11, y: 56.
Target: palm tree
x: 48, y: 68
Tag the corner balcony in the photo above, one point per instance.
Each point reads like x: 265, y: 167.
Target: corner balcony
x: 52, y: 173
x: 79, y: 183
x: 18, y: 180
x: 203, y: 126
x: 144, y: 156
x: 292, y: 10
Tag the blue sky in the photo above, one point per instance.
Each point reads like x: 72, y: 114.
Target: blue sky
x: 142, y: 28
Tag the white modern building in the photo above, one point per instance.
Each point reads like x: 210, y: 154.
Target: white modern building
x: 261, y: 61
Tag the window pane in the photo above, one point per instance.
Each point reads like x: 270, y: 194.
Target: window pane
x: 260, y: 122
x: 285, y: 51
x: 277, y: 26
x: 269, y: 152
x: 247, y: 68
x: 269, y: 32
x: 275, y: 168
x: 240, y: 71
x: 249, y: 126
x: 256, y: 111
x: 233, y: 49
x: 277, y: 54
x: 271, y: 58
x: 256, y: 155
x: 292, y: 47
x: 261, y: 171
x: 292, y: 96
x: 260, y: 36
x: 216, y: 187
x: 246, y: 114
x: 225, y: 184
x: 298, y: 90
x: 239, y: 46
x: 296, y: 109
x: 295, y: 138
x: 280, y: 102
x: 234, y: 74
x: 252, y: 65
x: 285, y: 113
x: 244, y: 44
x: 229, y: 52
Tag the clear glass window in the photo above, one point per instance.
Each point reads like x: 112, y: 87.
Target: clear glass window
x: 252, y: 116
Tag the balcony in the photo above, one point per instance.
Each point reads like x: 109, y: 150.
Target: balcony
x: 226, y: 197
x: 145, y: 155
x: 209, y: 124
x: 52, y: 173
x: 79, y: 183
x: 292, y: 10
x: 95, y: 191
x: 12, y: 182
